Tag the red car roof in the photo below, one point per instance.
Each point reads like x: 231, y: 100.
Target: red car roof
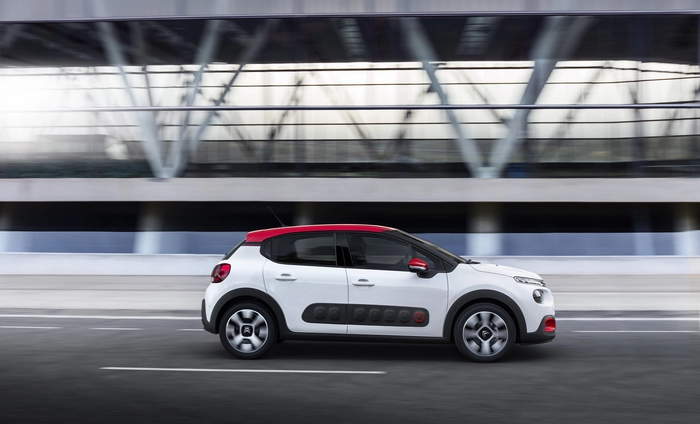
x: 261, y: 235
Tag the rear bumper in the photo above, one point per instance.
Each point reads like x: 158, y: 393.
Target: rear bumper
x: 208, y: 326
x: 538, y: 336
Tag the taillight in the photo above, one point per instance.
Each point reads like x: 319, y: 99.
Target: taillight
x: 550, y: 325
x: 220, y: 273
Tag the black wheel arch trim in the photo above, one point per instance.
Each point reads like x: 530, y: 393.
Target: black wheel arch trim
x: 485, y: 296
x: 248, y: 293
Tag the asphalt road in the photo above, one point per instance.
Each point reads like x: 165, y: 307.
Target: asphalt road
x: 613, y: 370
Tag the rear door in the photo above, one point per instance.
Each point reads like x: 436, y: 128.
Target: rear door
x: 304, y: 273
x: 385, y: 298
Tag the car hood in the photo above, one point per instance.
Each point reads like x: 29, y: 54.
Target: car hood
x: 504, y: 270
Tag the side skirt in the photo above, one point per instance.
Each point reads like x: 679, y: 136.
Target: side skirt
x: 290, y: 335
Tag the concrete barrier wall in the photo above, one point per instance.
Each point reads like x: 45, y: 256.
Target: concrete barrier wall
x: 201, y: 265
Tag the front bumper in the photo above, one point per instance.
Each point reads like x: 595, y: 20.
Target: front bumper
x: 208, y: 326
x: 538, y: 336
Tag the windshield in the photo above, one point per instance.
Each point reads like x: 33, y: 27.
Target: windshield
x: 434, y: 246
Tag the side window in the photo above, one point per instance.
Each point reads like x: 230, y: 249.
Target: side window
x: 305, y: 249
x: 373, y: 252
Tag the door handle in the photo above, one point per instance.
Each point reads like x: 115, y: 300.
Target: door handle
x: 285, y: 277
x: 362, y: 283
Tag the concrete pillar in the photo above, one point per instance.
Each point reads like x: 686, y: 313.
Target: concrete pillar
x: 5, y: 221
x: 149, y: 236
x: 304, y: 214
x: 687, y: 230
x: 484, y: 223
x: 643, y: 236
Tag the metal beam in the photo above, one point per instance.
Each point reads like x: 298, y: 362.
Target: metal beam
x: 256, y: 45
x: 331, y: 94
x: 423, y: 51
x: 268, y: 151
x: 145, y: 118
x: 219, y: 108
x: 208, y: 45
x: 560, y: 35
x: 561, y: 130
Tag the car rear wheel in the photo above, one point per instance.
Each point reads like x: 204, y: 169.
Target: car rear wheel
x: 484, y: 332
x: 247, y: 330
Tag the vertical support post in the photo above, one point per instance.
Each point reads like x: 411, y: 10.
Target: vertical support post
x: 484, y: 223
x: 643, y: 236
x: 149, y: 236
x: 687, y: 230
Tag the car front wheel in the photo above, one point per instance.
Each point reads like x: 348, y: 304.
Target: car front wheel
x: 484, y: 332
x: 247, y: 330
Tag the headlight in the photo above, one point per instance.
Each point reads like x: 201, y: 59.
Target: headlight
x: 527, y: 280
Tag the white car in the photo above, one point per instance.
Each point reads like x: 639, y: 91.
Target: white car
x: 368, y: 282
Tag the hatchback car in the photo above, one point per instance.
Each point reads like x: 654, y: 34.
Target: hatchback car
x: 368, y: 282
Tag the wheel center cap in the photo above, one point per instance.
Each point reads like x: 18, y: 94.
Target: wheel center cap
x: 485, y: 334
x: 247, y: 330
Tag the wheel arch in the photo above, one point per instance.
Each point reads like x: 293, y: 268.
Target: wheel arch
x: 484, y: 296
x: 249, y: 295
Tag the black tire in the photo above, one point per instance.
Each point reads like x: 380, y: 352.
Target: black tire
x: 247, y: 330
x: 484, y: 332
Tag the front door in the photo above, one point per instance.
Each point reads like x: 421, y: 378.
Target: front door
x: 384, y: 297
x: 305, y: 278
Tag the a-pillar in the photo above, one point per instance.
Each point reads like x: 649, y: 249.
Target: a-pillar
x: 485, y: 237
x: 304, y: 214
x: 687, y: 230
x: 149, y: 236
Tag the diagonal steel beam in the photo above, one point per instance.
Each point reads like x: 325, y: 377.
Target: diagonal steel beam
x: 331, y: 93
x: 423, y: 51
x: 277, y: 128
x: 146, y: 119
x: 256, y: 45
x: 560, y: 35
x: 210, y: 42
x: 562, y: 128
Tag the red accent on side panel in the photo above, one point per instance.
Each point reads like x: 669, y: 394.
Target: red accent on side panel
x: 261, y: 235
x: 550, y: 325
x: 419, y: 317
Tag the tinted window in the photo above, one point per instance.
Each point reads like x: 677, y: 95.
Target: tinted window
x: 305, y: 249
x: 368, y: 251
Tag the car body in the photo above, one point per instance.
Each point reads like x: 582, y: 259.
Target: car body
x: 369, y: 282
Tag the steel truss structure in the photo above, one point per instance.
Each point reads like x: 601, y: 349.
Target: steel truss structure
x: 187, y: 96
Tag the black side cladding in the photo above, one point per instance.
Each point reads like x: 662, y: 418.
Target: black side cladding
x: 379, y: 315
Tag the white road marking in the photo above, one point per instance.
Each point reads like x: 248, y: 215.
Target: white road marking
x: 190, y: 329
x: 103, y: 317
x: 243, y: 370
x: 634, y: 331
x: 27, y: 327
x: 631, y: 319
x: 117, y: 328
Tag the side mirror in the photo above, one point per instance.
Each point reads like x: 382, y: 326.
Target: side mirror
x: 417, y: 265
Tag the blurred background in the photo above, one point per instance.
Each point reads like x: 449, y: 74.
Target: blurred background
x: 492, y: 128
